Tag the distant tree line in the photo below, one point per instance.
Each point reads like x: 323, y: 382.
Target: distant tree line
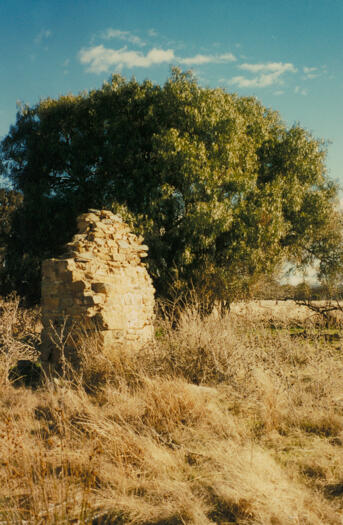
x: 303, y: 291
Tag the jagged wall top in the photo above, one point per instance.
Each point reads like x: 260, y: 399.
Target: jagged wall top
x: 103, y: 235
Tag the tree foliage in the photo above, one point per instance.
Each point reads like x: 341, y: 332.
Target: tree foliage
x: 10, y: 202
x: 221, y: 189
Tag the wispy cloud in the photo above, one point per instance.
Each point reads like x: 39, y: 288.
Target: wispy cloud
x: 100, y: 59
x: 275, y: 67
x: 42, y: 35
x: 118, y: 34
x: 309, y: 69
x: 311, y: 72
x: 207, y: 59
x: 268, y: 74
x: 65, y: 65
x: 152, y: 32
x: 300, y: 91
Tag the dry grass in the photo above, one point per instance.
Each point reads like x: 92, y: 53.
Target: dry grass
x: 287, y: 312
x: 221, y: 421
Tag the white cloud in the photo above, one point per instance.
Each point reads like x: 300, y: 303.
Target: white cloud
x: 263, y: 80
x: 152, y: 32
x: 311, y: 72
x: 207, y: 59
x: 65, y: 65
x: 227, y: 57
x: 300, y: 91
x: 42, y: 35
x: 269, y: 74
x: 100, y: 59
x: 279, y: 92
x: 127, y: 36
x: 196, y: 60
x: 272, y: 67
x: 311, y: 76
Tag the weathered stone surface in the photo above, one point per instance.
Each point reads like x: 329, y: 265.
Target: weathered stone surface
x: 100, y: 287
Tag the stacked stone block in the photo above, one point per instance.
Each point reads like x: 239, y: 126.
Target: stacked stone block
x: 100, y: 286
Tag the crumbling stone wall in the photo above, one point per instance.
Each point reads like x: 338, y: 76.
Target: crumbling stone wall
x: 99, y: 285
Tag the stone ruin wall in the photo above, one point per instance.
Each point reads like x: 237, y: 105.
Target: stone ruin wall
x: 100, y: 285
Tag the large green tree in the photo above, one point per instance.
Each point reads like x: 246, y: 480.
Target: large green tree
x: 221, y: 189
x: 10, y: 202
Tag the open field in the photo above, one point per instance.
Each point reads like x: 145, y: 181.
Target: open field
x: 284, y: 312
x: 222, y: 420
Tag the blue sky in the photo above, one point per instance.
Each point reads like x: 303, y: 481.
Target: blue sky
x: 287, y: 53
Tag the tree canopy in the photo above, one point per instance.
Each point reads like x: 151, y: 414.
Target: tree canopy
x: 221, y: 189
x: 9, y: 202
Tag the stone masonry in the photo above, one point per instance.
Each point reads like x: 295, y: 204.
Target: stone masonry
x: 100, y: 286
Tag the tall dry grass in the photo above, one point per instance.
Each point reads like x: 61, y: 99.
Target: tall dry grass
x: 221, y: 420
